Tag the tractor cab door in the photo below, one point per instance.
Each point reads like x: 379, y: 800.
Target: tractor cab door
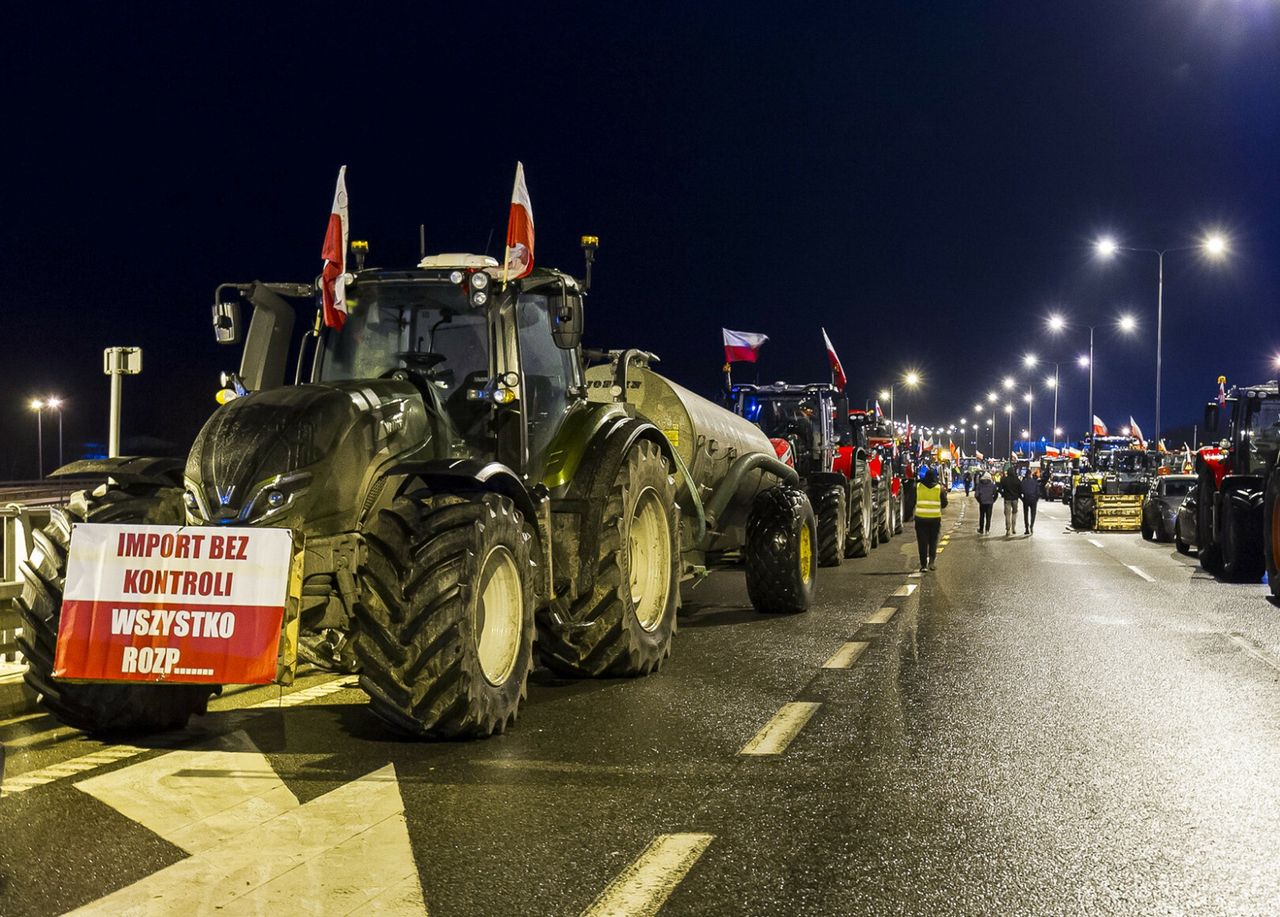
x: 548, y: 375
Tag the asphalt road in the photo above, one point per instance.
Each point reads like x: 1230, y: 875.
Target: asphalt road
x: 1057, y: 724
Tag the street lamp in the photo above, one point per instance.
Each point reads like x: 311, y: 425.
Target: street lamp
x: 1213, y: 246
x: 1126, y: 323
x: 910, y: 380
x: 1008, y: 409
x: 56, y: 404
x: 38, y: 406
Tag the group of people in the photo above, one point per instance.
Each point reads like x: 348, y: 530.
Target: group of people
x: 1012, y: 490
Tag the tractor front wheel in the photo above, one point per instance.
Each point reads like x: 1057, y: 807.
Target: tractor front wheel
x: 858, y: 541
x: 833, y: 521
x: 1241, y: 551
x: 781, y: 532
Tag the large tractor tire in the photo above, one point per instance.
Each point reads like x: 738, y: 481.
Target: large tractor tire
x: 623, y: 625
x: 858, y: 543
x: 908, y: 499
x: 896, y: 505
x: 1242, y: 559
x: 96, y: 708
x: 1082, y: 508
x: 833, y: 521
x: 1210, y: 549
x: 781, y: 532
x: 1271, y: 531
x: 885, y: 531
x: 445, y: 638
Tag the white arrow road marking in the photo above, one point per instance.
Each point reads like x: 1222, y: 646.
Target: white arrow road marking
x: 774, y: 737
x: 642, y: 888
x: 254, y: 848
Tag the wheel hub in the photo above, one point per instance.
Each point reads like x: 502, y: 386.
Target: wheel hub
x: 499, y: 616
x: 650, y: 560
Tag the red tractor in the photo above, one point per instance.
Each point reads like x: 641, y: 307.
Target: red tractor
x: 885, y: 467
x: 1237, y: 485
x: 809, y: 427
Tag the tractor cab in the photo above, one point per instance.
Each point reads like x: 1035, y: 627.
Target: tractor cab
x: 805, y: 417
x: 1251, y: 439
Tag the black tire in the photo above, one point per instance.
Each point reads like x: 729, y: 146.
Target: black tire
x: 876, y: 503
x: 858, y: 543
x: 1082, y: 507
x: 885, y: 532
x: 896, y: 504
x: 1182, y: 546
x: 908, y: 500
x: 100, y: 707
x: 833, y: 521
x: 1271, y: 530
x: 611, y: 630
x: 421, y: 614
x: 781, y: 532
x: 1242, y: 560
x: 1210, y: 550
x: 1147, y: 534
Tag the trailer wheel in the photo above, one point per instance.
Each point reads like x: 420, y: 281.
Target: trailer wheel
x: 1210, y: 549
x: 781, y: 532
x: 623, y: 625
x: 1271, y: 531
x: 1241, y: 555
x: 445, y: 638
x: 96, y: 708
x: 833, y: 522
x: 858, y: 543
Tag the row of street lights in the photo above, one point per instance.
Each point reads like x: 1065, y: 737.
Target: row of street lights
x: 38, y: 405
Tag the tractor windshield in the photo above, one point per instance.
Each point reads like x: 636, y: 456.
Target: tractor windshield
x: 425, y: 328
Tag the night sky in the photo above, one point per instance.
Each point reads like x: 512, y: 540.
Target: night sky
x: 923, y: 179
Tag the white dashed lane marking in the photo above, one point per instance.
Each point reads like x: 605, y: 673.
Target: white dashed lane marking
x: 846, y: 656
x: 777, y: 734
x: 1146, y: 576
x: 642, y: 888
x: 905, y: 590
x: 882, y: 616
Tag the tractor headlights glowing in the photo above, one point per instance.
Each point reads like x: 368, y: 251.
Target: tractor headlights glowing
x: 479, y: 297
x: 275, y: 498
x: 455, y: 277
x: 503, y: 396
x: 479, y: 280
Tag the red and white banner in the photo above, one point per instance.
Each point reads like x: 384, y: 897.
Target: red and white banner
x: 519, y: 231
x: 333, y: 277
x: 1136, y: 431
x: 167, y: 603
x: 837, y: 371
x: 1051, y: 452
x: 1099, y: 428
x: 742, y: 346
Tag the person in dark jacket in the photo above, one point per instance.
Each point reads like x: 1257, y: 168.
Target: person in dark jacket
x: 931, y: 498
x: 986, y: 491
x: 1010, y: 490
x: 1030, y: 499
x: 968, y: 481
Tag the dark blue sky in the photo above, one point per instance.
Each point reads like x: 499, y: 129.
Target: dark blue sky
x: 922, y: 179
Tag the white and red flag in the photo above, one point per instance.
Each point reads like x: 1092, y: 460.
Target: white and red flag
x: 1136, y: 431
x: 1051, y: 452
x: 333, y: 277
x: 1099, y: 428
x: 879, y: 413
x: 742, y: 346
x: 837, y: 371
x: 519, y: 231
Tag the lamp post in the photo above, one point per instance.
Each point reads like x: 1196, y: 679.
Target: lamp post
x: 1030, y: 361
x: 992, y: 398
x: 1125, y: 323
x: 38, y: 406
x: 56, y: 403
x: 910, y: 380
x: 1008, y: 409
x: 1214, y: 247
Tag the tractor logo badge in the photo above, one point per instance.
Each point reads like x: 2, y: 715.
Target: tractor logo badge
x: 224, y: 496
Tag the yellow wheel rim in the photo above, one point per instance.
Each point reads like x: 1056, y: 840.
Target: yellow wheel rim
x: 806, y: 555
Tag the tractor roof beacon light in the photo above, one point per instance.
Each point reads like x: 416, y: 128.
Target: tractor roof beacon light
x: 359, y: 249
x: 589, y: 246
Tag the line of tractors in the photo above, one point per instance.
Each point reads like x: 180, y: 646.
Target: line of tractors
x: 475, y: 491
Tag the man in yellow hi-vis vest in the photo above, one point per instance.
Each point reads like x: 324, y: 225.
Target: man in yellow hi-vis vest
x: 931, y: 499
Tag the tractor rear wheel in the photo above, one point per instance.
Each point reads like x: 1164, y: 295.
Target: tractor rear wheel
x: 833, y: 521
x: 885, y: 533
x: 781, y: 532
x: 1241, y: 550
x: 1082, y: 507
x: 622, y: 626
x: 858, y: 542
x: 896, y: 504
x: 1210, y: 549
x: 1271, y: 531
x: 96, y: 708
x: 445, y: 638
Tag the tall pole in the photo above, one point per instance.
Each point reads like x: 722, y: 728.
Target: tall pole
x: 113, y: 434
x: 1029, y: 436
x: 1089, y: 426
x: 1057, y: 367
x: 1159, y: 340
x: 891, y: 417
x: 59, y: 437
x: 40, y: 441
x: 1010, y: 415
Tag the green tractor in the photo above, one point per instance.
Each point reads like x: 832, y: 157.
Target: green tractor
x: 467, y: 495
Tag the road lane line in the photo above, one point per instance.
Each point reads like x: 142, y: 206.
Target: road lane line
x: 776, y: 735
x: 1095, y: 542
x: 882, y: 615
x: 904, y: 590
x: 642, y: 888
x: 846, y: 656
x: 1263, y: 657
x: 15, y: 720
x: 1146, y: 576
x: 307, y: 694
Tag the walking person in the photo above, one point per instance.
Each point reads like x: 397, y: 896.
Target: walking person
x: 1030, y: 500
x: 968, y: 480
x: 1010, y: 490
x: 931, y: 497
x: 986, y: 492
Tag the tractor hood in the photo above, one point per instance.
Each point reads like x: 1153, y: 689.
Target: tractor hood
x: 300, y: 452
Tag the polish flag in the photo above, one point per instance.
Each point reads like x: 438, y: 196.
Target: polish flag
x: 742, y: 346
x: 879, y: 413
x: 837, y: 371
x: 333, y: 277
x: 1051, y: 452
x: 1099, y: 428
x: 519, y: 231
x: 1135, y: 430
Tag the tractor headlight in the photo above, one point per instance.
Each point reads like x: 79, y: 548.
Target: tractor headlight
x: 192, y: 504
x: 479, y: 280
x: 455, y: 277
x: 275, y: 498
x: 479, y: 297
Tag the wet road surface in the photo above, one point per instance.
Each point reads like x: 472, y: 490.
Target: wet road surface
x: 1066, y: 723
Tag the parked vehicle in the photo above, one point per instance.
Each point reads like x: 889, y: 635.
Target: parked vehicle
x: 1160, y: 509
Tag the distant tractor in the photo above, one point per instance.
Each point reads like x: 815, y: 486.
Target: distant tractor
x: 1235, y: 523
x: 1108, y: 497
x: 808, y: 427
x: 885, y: 469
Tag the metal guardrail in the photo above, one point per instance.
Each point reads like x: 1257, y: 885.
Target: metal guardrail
x: 16, y: 525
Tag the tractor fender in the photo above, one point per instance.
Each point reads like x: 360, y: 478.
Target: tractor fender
x: 470, y: 475
x: 1246, y: 492
x: 159, y: 472
x: 823, y: 479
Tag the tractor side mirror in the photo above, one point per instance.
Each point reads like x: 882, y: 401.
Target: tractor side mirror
x: 1211, y: 417
x: 566, y: 318
x: 226, y: 322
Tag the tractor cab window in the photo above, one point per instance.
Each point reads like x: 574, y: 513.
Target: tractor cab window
x: 1263, y: 434
x: 427, y: 330
x: 549, y: 372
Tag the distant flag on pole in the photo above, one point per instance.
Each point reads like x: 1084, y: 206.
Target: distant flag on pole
x: 1135, y: 430
x: 1099, y: 428
x: 837, y: 371
x: 333, y: 276
x: 879, y: 413
x: 742, y: 346
x: 1051, y: 452
x: 519, y: 255
x: 1222, y: 391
